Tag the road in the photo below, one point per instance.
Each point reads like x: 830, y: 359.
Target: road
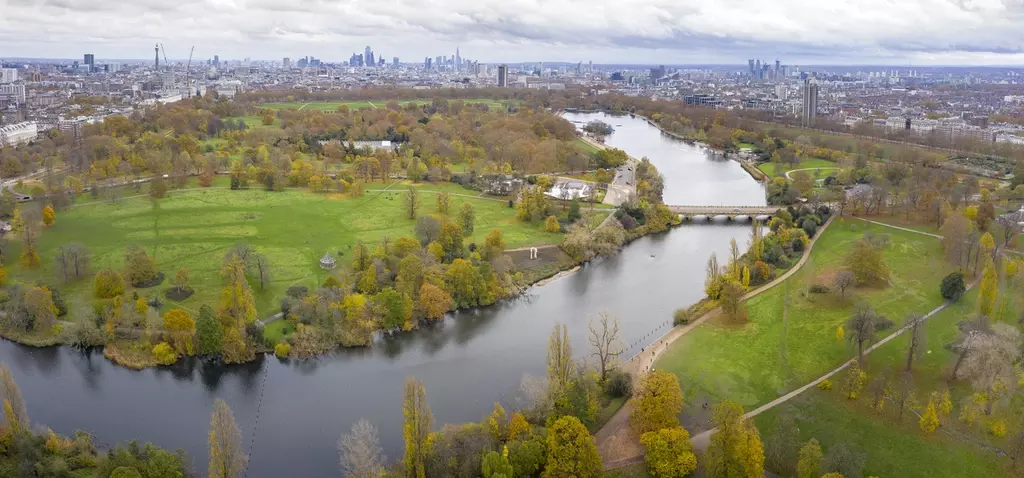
x: 624, y: 184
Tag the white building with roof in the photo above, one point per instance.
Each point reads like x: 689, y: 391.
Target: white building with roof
x: 18, y: 133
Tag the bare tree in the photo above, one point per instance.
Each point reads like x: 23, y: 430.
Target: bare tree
x: 1006, y: 229
x: 862, y: 328
x: 993, y: 356
x: 62, y: 264
x: 965, y: 343
x: 261, y: 266
x: 843, y: 280
x: 361, y: 454
x: 916, y: 323
x: 71, y: 261
x: 604, y: 337
x: 227, y: 456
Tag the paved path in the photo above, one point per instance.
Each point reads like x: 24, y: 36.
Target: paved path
x: 613, y: 436
x: 805, y: 169
x: 915, y: 231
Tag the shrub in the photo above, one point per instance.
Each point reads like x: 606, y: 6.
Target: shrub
x: 819, y: 289
x: 825, y: 385
x: 164, y: 354
x: 297, y: 291
x: 619, y: 384
x: 810, y: 226
x: 997, y: 428
x: 953, y: 286
x: 682, y: 316
x: 281, y: 350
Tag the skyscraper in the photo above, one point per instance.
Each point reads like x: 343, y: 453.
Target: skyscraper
x: 502, y: 76
x: 156, y: 64
x: 428, y: 63
x: 458, y: 60
x: 90, y: 62
x: 750, y: 64
x: 810, y: 107
x: 368, y: 57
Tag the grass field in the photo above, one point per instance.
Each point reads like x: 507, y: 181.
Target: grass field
x: 294, y: 228
x: 772, y: 169
x: 756, y: 362
x: 333, y: 105
x: 586, y: 146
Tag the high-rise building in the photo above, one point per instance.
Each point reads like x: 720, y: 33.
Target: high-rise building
x: 216, y: 60
x: 428, y: 63
x: 810, y: 106
x: 394, y: 61
x: 286, y: 63
x: 90, y: 62
x: 458, y: 60
x: 502, y: 76
x: 156, y: 64
x: 750, y: 64
x: 8, y: 75
x: 368, y: 57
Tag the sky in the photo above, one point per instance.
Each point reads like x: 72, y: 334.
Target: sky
x: 818, y: 32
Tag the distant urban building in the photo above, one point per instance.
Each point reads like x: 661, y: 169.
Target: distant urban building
x: 750, y: 65
x: 458, y: 60
x: 706, y: 100
x: 368, y: 57
x: 502, y: 76
x: 90, y: 62
x: 394, y: 61
x: 810, y: 104
x: 657, y: 73
x: 14, y: 92
x: 428, y: 63
x: 18, y: 133
x: 287, y: 63
x: 8, y: 75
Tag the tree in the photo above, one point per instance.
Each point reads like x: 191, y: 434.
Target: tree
x: 497, y: 423
x: 208, y: 332
x: 494, y: 244
x: 361, y: 454
x: 658, y: 401
x: 572, y: 451
x: 181, y: 327
x: 517, y: 426
x: 71, y: 261
x: 467, y: 219
x: 929, y: 420
x: 559, y: 360
x: 181, y: 279
x: 434, y: 302
x: 412, y: 202
x: 953, y: 286
x: 731, y: 300
x: 988, y: 290
x: 917, y: 336
x: 140, y: 268
x: 1016, y: 452
x: 604, y: 338
x: 843, y: 461
x: 227, y: 455
x: 463, y: 281
x: 809, y: 465
x: 992, y: 357
x: 237, y: 305
x: 444, y: 202
x: 861, y: 327
x: 125, y: 472
x: 955, y: 231
x: 416, y: 428
x: 451, y: 240
x: 262, y: 268
x: 843, y: 280
x: 669, y: 453
x: 48, y: 215
x: 551, y: 224
x: 735, y: 449
x: 107, y: 284
x: 496, y: 465
x: 38, y: 303
x: 15, y: 409
x: 158, y: 187
x: 867, y: 262
x: 397, y: 309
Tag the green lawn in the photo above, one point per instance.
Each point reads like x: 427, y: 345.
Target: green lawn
x: 772, y: 169
x: 586, y: 146
x: 890, y: 450
x: 333, y: 105
x: 758, y: 361
x: 278, y: 330
x: 294, y: 228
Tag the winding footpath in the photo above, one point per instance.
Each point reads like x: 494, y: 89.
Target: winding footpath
x: 616, y: 441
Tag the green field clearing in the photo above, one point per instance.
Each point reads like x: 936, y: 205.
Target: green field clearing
x: 890, y: 449
x: 772, y: 169
x: 586, y: 146
x: 195, y: 227
x: 333, y: 105
x: 762, y: 359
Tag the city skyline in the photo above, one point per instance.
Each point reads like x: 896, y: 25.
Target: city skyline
x: 636, y: 32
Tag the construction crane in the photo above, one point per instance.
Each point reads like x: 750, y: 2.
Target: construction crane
x: 164, y: 50
x: 189, y: 65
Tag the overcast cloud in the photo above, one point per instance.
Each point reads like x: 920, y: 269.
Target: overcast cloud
x: 606, y: 31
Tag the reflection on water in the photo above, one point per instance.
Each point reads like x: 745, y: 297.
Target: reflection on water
x: 467, y: 361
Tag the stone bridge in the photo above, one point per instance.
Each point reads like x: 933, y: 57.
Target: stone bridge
x: 736, y: 213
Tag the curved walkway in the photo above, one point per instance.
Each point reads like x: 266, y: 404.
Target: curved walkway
x: 616, y: 435
x: 807, y: 169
